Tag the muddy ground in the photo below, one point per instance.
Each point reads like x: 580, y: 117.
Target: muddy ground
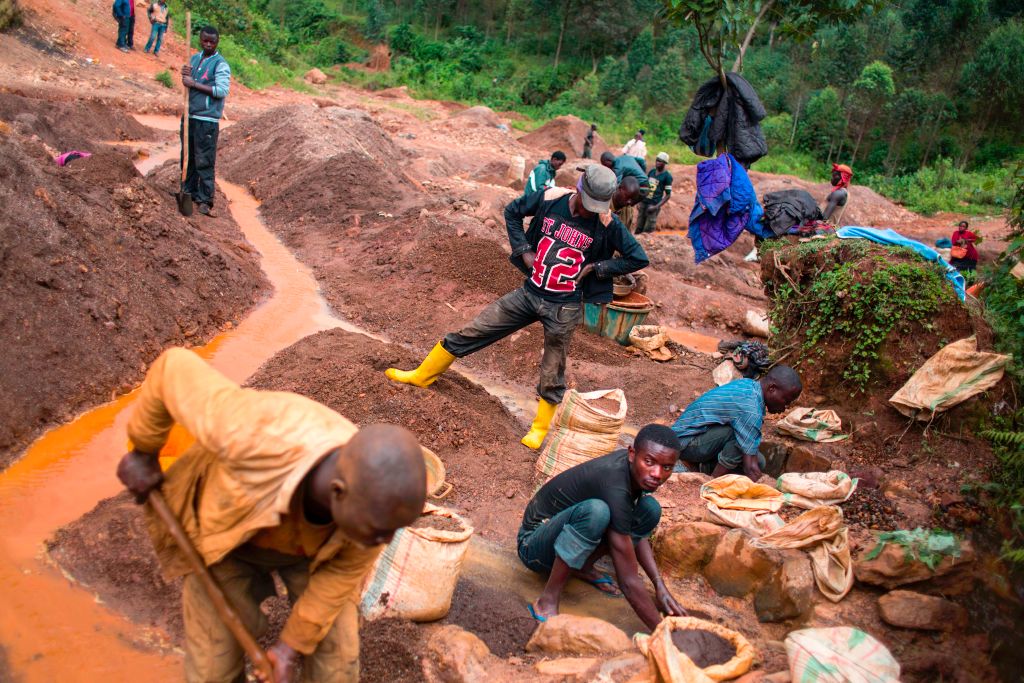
x: 100, y: 272
x: 395, y: 204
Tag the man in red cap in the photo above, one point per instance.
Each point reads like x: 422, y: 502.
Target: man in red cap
x: 841, y: 175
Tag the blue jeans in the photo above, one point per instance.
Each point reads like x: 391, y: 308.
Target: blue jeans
x: 122, y: 31
x: 575, y: 532
x: 715, y: 446
x: 157, y: 34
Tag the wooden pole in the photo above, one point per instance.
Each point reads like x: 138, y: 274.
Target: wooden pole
x: 220, y: 601
x: 184, y: 137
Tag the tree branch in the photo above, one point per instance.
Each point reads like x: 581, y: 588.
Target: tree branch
x: 738, y: 64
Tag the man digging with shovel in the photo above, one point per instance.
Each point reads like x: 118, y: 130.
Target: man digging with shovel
x: 208, y: 79
x: 275, y: 482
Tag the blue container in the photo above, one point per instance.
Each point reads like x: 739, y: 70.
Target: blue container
x: 614, y: 321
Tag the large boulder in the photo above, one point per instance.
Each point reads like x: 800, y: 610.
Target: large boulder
x: 567, y: 634
x: 780, y: 580
x: 789, y: 591
x: 685, y: 548
x: 457, y: 656
x: 907, y: 609
x: 739, y: 566
x: 809, y: 459
x: 893, y: 567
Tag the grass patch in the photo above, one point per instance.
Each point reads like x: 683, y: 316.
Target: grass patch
x: 164, y: 79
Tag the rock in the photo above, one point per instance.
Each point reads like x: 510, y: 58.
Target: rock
x: 755, y: 323
x: 808, y: 459
x: 738, y: 567
x: 315, y: 77
x: 868, y: 476
x: 685, y: 548
x: 752, y: 677
x: 572, y: 635
x: 457, y: 656
x: 907, y: 609
x: 569, y: 669
x: 789, y: 592
x: 625, y: 667
x: 892, y: 568
x: 776, y: 455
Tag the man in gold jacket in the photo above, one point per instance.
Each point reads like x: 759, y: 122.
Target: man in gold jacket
x: 274, y: 482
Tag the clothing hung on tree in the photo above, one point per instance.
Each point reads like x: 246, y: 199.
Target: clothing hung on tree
x: 786, y: 209
x: 725, y: 206
x: 731, y: 118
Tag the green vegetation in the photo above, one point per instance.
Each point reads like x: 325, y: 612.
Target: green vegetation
x: 10, y: 15
x: 859, y: 294
x: 164, y: 78
x: 1004, y: 307
x: 921, y: 98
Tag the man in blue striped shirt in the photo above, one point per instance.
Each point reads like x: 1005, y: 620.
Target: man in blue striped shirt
x: 721, y: 431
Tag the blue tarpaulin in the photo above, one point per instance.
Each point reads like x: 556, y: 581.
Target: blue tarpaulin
x: 889, y: 236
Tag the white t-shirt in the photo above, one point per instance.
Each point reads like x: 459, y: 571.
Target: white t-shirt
x: 635, y: 148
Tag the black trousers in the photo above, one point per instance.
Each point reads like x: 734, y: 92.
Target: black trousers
x: 202, y: 154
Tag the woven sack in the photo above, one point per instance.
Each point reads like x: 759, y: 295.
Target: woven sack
x: 414, y: 578
x: 666, y: 664
x: 582, y: 430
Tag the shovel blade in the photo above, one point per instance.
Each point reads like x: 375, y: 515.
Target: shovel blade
x: 184, y: 203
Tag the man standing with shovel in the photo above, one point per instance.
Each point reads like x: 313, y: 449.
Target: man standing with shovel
x: 208, y: 79
x: 275, y: 482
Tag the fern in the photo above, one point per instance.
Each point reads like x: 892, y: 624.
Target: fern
x: 1004, y: 438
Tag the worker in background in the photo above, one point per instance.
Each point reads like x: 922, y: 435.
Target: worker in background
x: 275, y: 483
x: 720, y: 432
x: 567, y: 255
x: 603, y: 507
x: 636, y: 147
x: 588, y: 141
x: 208, y: 79
x: 659, y: 191
x: 543, y: 174
x: 840, y: 194
x: 158, y: 22
x: 964, y: 255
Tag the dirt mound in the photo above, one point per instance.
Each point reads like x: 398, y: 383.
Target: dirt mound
x: 308, y: 164
x: 481, y: 116
x: 100, y: 273
x: 69, y: 125
x: 468, y: 429
x: 858, y: 316
x: 565, y: 133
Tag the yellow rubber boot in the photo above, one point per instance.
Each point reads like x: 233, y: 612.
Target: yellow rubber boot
x: 432, y: 367
x: 541, y: 423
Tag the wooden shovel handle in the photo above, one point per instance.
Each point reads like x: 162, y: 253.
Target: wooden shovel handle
x: 184, y: 119
x: 220, y: 601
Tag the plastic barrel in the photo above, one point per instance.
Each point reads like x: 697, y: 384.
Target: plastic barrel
x: 614, y: 320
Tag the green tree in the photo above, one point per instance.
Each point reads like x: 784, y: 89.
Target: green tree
x: 993, y: 83
x: 821, y: 123
x: 376, y: 25
x: 871, y: 91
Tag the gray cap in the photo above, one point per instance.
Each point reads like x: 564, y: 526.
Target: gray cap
x: 597, y: 186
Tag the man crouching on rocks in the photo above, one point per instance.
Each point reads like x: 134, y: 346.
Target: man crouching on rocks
x: 603, y: 506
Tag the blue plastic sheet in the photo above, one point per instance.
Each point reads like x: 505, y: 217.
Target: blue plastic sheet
x: 889, y: 236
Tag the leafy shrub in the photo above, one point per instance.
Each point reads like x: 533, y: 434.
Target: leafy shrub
x: 164, y: 78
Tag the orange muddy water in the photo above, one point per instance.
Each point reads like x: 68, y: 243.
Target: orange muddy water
x: 53, y: 630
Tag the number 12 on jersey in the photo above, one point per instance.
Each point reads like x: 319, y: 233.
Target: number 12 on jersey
x: 559, y: 275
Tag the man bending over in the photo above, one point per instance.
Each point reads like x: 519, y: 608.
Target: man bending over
x: 599, y: 507
x: 275, y: 482
x: 720, y: 432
